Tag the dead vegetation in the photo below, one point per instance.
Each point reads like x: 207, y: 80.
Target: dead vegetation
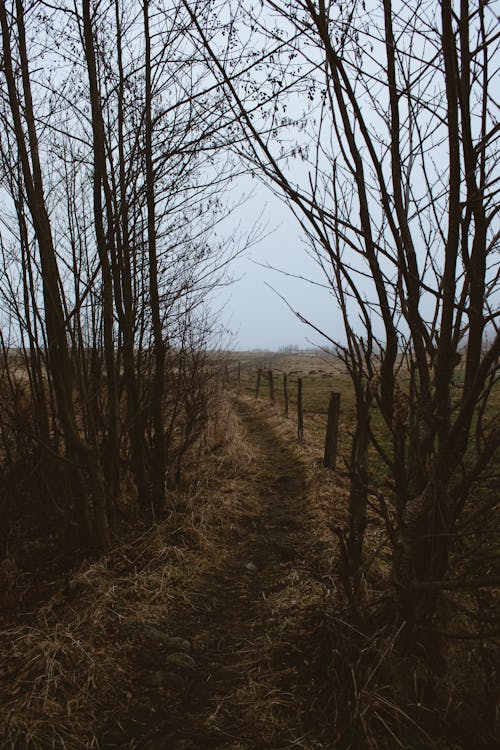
x: 64, y: 667
x: 230, y: 623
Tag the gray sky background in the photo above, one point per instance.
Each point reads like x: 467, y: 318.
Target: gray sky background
x: 254, y: 314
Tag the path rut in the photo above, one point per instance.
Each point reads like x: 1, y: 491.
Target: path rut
x: 243, y: 691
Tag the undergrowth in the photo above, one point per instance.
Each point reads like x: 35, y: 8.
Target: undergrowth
x: 67, y: 676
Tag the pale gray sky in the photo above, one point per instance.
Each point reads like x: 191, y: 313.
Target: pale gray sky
x: 255, y: 314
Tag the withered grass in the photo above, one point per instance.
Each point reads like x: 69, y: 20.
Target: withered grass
x: 282, y: 661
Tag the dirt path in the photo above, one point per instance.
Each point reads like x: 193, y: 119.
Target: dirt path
x: 236, y: 682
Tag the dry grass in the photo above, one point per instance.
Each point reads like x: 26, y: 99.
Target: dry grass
x: 379, y: 695
x: 301, y: 651
x: 63, y: 674
x: 66, y: 674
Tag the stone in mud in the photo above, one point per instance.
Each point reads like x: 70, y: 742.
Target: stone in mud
x: 174, y: 643
x: 251, y: 567
x: 180, y: 659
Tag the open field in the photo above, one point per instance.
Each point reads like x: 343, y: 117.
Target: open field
x: 321, y: 375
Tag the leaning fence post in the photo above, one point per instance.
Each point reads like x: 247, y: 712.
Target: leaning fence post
x: 300, y: 413
x: 332, y: 430
x: 259, y: 374
x: 285, y: 393
x: 271, y: 385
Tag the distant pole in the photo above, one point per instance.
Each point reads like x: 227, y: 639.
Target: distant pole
x: 285, y: 393
x: 271, y: 385
x: 259, y: 375
x: 332, y: 430
x: 300, y: 413
x: 226, y: 374
x: 239, y: 377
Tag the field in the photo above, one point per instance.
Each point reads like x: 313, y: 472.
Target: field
x: 321, y: 374
x: 229, y: 624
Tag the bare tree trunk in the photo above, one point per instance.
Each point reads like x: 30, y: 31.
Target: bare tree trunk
x: 111, y: 452
x: 159, y: 457
x: 35, y: 366
x: 358, y: 490
x: 135, y: 412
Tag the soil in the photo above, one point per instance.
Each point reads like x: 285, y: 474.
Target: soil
x: 232, y: 673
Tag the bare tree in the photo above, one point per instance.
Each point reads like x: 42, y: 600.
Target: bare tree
x: 82, y: 455
x: 111, y: 174
x: 394, y: 185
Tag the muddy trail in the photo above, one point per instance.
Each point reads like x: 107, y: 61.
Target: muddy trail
x: 233, y: 675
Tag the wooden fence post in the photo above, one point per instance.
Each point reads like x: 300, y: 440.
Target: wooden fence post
x: 239, y: 377
x: 259, y: 375
x: 285, y: 393
x: 271, y: 385
x: 332, y: 430
x: 226, y: 375
x: 300, y: 413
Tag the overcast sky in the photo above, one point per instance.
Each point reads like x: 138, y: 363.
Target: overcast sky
x: 254, y: 313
